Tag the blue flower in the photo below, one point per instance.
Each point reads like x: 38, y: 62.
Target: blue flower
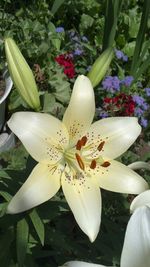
x: 147, y: 91
x: 59, y: 29
x: 138, y: 100
x: 125, y: 58
x: 121, y: 55
x: 84, y: 39
x: 138, y: 112
x: 111, y: 84
x: 127, y: 81
x: 78, y: 52
x: 103, y: 114
x: 144, y: 122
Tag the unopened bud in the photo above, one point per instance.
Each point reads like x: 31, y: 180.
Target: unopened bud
x: 100, y: 67
x: 21, y: 74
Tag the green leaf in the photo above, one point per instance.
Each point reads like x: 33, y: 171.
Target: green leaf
x: 140, y: 36
x: 112, y: 11
x: 56, y: 5
x: 49, y: 102
x: 38, y: 225
x: 22, y: 236
x: 6, y: 195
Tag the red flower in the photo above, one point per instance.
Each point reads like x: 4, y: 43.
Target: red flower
x: 65, y: 60
x: 121, y: 104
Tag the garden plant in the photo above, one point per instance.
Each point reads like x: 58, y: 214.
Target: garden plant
x: 75, y: 175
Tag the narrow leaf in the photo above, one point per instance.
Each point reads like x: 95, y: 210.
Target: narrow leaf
x: 56, y: 5
x: 38, y: 225
x: 22, y: 240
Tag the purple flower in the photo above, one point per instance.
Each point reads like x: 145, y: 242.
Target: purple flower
x: 144, y: 122
x: 59, y: 29
x: 138, y: 100
x: 78, y: 52
x: 127, y: 81
x: 125, y: 58
x: 119, y: 54
x: 84, y: 39
x: 111, y: 84
x: 138, y: 112
x: 147, y: 91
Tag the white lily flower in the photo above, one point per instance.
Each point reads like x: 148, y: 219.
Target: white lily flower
x: 81, y: 264
x: 77, y: 156
x: 136, y: 248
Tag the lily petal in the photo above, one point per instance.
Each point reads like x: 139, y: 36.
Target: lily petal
x: 84, y: 199
x: 80, y: 112
x: 42, y: 135
x: 119, y: 178
x: 117, y: 133
x: 136, y: 249
x: 81, y: 264
x: 42, y: 184
x: 141, y: 200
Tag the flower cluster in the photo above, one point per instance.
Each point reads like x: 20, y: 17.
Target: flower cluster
x: 112, y: 84
x: 66, y: 60
x: 122, y: 105
x: 120, y: 55
x: 76, y: 42
x: 141, y: 107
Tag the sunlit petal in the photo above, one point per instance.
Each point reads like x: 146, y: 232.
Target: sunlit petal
x: 81, y: 264
x: 141, y: 200
x: 42, y: 135
x: 118, y: 134
x: 80, y: 112
x: 119, y: 178
x: 84, y: 199
x: 136, y: 249
x: 42, y: 184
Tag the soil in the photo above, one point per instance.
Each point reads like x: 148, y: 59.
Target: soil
x: 2, y: 86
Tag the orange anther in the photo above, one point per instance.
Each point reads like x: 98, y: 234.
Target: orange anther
x: 80, y: 161
x: 100, y: 146
x: 83, y: 140
x: 106, y: 164
x: 78, y: 145
x: 93, y: 164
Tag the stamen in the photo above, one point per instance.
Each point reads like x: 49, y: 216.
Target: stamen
x: 100, y: 147
x: 93, y: 164
x: 78, y: 145
x: 106, y: 164
x: 83, y: 140
x: 80, y: 162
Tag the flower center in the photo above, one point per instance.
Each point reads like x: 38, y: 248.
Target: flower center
x: 83, y: 155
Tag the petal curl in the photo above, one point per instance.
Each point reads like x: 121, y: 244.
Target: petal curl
x: 42, y: 184
x: 84, y: 199
x: 136, y: 249
x: 117, y: 133
x: 42, y: 135
x: 141, y: 200
x: 81, y: 264
x: 80, y: 112
x: 119, y: 178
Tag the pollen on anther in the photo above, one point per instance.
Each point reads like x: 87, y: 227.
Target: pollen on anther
x: 101, y: 145
x: 80, y: 162
x: 93, y: 164
x: 83, y: 140
x: 78, y: 145
x: 106, y: 164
